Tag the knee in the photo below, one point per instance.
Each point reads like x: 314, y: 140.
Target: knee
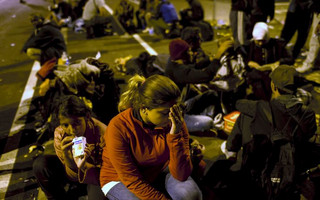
x: 34, y: 53
x: 38, y: 164
x: 198, y: 123
x: 185, y: 190
x: 41, y: 166
x: 191, y: 192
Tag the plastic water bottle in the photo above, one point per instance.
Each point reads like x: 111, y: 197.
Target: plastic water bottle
x: 64, y: 59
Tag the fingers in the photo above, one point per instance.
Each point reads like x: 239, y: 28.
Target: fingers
x: 176, y: 118
x: 67, y: 142
x: 176, y: 112
x: 89, y: 148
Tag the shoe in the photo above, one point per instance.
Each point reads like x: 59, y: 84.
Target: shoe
x: 146, y: 30
x: 316, y: 89
x: 303, y: 68
x: 125, y: 36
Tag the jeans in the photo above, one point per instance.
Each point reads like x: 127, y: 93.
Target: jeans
x: 299, y: 21
x: 314, y: 43
x: 52, y: 179
x: 177, y: 190
x: 198, y: 123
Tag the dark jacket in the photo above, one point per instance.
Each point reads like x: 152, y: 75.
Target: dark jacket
x: 316, y: 6
x: 49, y: 39
x: 256, y: 119
x: 262, y: 8
x: 240, y: 5
x: 196, y: 9
x: 274, y: 50
x: 64, y: 10
x: 183, y: 74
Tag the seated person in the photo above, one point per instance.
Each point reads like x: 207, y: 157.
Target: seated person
x: 62, y: 13
x: 89, y: 79
x: 95, y: 16
x: 147, y: 152
x: 54, y: 171
x: 190, y: 16
x: 165, y: 18
x: 183, y: 72
x: 284, y: 112
x: 264, y: 51
x: 192, y: 35
x: 124, y: 14
x: 46, y: 42
x: 144, y: 65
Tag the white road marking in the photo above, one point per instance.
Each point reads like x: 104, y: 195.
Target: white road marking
x: 145, y: 45
x: 8, y: 159
x: 150, y: 50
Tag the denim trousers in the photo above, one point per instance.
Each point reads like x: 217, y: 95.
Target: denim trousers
x: 198, y: 123
x: 314, y: 43
x: 176, y: 190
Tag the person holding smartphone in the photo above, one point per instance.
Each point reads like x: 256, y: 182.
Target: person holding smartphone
x: 147, y: 145
x: 53, y: 172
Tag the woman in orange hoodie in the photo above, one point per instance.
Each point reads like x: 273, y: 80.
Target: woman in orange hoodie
x: 147, y: 145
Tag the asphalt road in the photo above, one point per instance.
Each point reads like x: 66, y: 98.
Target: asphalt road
x: 16, y: 121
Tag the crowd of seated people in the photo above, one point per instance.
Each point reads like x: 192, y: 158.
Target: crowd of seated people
x: 138, y: 142
x: 154, y: 17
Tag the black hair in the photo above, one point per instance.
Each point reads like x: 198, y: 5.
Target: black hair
x: 192, y: 35
x: 73, y: 106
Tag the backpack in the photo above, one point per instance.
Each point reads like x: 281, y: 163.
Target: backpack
x: 270, y: 160
x: 230, y: 74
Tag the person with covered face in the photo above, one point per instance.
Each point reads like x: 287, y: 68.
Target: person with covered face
x: 147, y: 145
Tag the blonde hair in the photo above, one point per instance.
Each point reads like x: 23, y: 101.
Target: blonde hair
x: 153, y: 92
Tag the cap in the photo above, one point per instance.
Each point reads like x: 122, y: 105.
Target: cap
x: 260, y: 31
x: 177, y: 47
x: 283, y: 77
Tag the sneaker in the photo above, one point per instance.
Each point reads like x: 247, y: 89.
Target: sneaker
x: 316, y: 89
x: 303, y: 68
x: 146, y: 30
x: 125, y: 36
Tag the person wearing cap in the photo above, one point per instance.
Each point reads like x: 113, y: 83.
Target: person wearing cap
x: 180, y: 67
x: 184, y: 72
x: 263, y: 51
x: 255, y: 119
